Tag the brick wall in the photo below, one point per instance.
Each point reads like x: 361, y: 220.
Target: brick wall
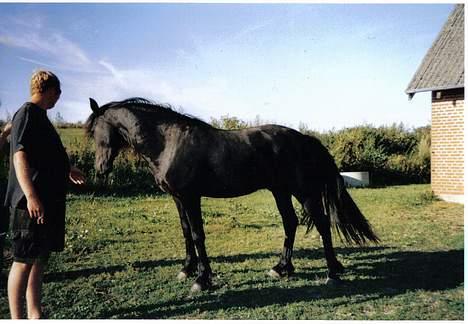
x: 447, y: 132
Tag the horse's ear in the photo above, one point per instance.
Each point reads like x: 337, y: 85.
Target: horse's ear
x: 94, y: 105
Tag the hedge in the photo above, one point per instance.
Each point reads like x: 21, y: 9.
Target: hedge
x: 392, y: 154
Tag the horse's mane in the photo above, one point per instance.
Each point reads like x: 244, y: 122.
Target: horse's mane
x: 144, y: 105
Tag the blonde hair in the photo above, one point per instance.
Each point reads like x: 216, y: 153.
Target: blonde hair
x: 42, y: 80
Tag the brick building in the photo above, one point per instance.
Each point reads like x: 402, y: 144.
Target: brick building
x: 442, y: 72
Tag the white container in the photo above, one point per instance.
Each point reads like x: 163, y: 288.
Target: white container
x: 356, y: 179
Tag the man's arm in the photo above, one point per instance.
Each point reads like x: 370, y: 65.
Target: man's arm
x: 23, y: 174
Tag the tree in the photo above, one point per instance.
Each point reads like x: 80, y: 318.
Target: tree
x: 59, y: 120
x: 227, y: 122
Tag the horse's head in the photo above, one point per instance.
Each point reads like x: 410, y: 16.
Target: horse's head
x: 108, y: 141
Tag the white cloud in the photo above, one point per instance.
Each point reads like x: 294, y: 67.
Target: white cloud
x: 36, y: 62
x: 111, y: 69
x: 84, y: 76
x: 202, y: 99
x: 68, y: 50
x: 46, y: 45
x: 55, y: 47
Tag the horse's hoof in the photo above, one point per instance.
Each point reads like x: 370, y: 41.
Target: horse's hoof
x: 182, y: 276
x: 196, y: 288
x: 272, y: 273
x: 201, y: 284
x: 333, y: 282
x: 281, y: 271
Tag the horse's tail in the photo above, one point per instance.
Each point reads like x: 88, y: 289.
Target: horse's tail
x: 336, y: 203
x: 345, y: 216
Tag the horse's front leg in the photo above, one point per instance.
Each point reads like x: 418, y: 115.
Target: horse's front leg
x: 193, y: 209
x: 190, y: 265
x: 285, y: 268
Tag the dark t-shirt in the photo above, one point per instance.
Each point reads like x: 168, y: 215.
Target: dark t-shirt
x: 33, y: 133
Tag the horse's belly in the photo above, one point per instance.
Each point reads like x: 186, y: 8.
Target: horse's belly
x: 217, y: 189
x: 234, y: 181
x: 228, y: 192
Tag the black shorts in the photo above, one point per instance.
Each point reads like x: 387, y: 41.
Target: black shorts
x: 27, y: 250
x: 30, y: 241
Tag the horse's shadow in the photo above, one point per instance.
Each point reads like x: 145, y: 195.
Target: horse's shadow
x: 393, y: 273
x: 151, y: 264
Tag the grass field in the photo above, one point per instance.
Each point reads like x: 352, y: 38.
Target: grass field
x: 71, y: 136
x: 123, y: 255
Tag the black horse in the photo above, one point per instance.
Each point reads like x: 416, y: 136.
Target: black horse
x: 190, y: 159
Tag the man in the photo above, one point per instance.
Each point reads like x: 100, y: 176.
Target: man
x: 39, y: 170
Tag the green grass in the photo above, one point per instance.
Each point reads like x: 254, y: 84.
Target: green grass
x: 123, y: 254
x: 71, y: 136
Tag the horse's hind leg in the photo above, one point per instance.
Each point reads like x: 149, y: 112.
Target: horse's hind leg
x: 313, y: 207
x: 290, y: 222
x: 190, y: 265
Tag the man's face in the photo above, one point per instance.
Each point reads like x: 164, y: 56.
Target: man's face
x: 52, y: 95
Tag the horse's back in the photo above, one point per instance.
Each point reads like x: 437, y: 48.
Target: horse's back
x: 243, y: 161
x: 221, y: 163
x: 264, y: 144
x: 289, y: 159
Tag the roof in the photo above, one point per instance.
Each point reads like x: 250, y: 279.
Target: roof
x: 443, y: 66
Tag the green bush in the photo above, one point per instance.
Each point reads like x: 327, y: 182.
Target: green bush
x: 357, y: 149
x: 392, y: 155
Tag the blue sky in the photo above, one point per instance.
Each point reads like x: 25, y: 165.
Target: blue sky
x: 325, y: 65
